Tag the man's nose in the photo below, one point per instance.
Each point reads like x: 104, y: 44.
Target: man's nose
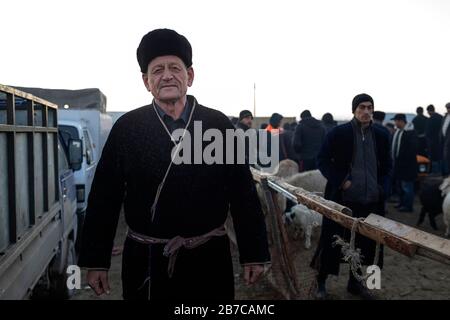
x: 167, y: 75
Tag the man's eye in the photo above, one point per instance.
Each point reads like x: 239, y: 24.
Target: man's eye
x: 157, y: 70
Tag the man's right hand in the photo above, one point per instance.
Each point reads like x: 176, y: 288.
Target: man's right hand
x: 346, y: 185
x: 98, y: 281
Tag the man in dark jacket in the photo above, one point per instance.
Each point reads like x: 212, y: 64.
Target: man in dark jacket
x: 328, y: 121
x: 275, y: 131
x: 420, y: 124
x: 245, y: 120
x: 445, y: 138
x: 404, y: 152
x: 288, y: 137
x: 355, y: 159
x: 432, y: 133
x: 176, y: 247
x: 308, y: 138
x: 378, y: 119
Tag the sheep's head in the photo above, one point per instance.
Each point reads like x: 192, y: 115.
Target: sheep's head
x: 445, y: 186
x: 289, y: 217
x: 286, y: 168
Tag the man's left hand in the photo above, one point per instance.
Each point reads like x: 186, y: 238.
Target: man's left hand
x: 253, y: 272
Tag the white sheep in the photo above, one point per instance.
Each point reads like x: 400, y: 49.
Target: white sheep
x: 312, y: 181
x: 305, y: 219
x: 445, y: 191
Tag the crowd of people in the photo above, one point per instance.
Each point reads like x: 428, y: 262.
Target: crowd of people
x: 365, y: 161
x: 425, y: 136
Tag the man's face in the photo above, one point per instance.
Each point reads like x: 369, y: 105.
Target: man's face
x: 167, y: 78
x: 248, y: 121
x: 363, y: 112
x: 399, y: 124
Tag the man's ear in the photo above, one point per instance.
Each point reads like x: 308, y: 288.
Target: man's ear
x: 190, y: 73
x: 145, y: 79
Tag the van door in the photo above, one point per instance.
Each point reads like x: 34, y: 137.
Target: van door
x: 91, y: 161
x: 68, y: 190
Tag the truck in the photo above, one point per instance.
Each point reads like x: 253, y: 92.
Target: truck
x: 82, y: 115
x: 38, y: 211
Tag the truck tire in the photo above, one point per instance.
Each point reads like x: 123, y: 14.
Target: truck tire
x: 58, y: 286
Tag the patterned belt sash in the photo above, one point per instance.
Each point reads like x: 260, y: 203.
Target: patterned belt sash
x: 173, y: 245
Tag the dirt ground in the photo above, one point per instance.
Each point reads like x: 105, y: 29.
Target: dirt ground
x: 401, y: 278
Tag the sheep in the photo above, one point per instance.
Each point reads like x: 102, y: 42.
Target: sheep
x: 300, y: 216
x: 431, y: 200
x: 445, y: 191
x: 284, y: 169
x: 305, y: 219
x: 312, y: 181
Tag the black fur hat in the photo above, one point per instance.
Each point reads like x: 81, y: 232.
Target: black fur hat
x: 163, y: 42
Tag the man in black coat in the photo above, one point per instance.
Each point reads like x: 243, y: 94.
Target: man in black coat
x: 420, y: 124
x: 445, y: 138
x: 245, y: 120
x: 308, y: 138
x: 434, y: 143
x: 176, y: 247
x: 404, y: 154
x: 355, y: 159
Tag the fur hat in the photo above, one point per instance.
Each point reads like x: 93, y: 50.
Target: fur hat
x: 163, y: 42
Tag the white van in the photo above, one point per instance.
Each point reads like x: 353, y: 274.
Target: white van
x: 92, y: 127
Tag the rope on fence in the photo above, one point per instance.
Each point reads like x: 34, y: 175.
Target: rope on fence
x: 353, y: 255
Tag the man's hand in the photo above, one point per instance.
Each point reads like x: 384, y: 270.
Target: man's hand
x: 346, y: 185
x: 253, y: 272
x: 98, y: 281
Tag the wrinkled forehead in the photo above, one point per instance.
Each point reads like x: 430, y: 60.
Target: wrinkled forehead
x: 166, y: 60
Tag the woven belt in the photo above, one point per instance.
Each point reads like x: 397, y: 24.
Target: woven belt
x: 173, y: 245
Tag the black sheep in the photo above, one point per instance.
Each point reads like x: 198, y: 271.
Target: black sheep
x: 431, y: 200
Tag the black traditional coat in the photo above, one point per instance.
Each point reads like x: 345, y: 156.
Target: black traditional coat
x: 195, y: 199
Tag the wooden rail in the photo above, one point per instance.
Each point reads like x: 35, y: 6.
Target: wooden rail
x: 397, y: 236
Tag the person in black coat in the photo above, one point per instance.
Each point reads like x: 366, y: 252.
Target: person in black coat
x: 432, y: 133
x: 355, y: 159
x: 420, y: 124
x: 245, y: 120
x: 404, y: 154
x: 328, y: 121
x: 177, y: 246
x: 445, y: 140
x: 308, y: 138
x: 378, y: 119
x: 245, y: 123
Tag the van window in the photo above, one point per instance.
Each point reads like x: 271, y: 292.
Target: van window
x: 68, y: 132
x: 89, y: 150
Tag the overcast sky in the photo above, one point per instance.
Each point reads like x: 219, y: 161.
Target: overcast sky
x: 301, y: 54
